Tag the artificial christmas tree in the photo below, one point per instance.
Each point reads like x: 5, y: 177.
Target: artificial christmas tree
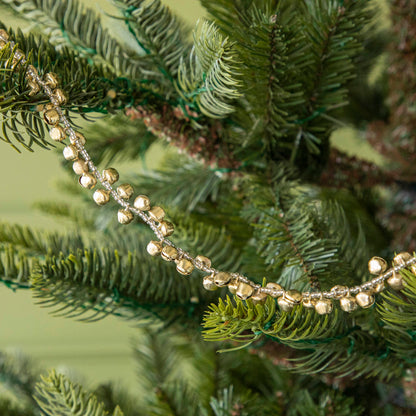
x: 270, y: 229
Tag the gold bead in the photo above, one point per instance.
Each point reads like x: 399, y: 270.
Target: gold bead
x: 87, y: 180
x: 79, y: 138
x: 208, y: 282
x: 34, y: 88
x: 142, y: 203
x: 101, y: 196
x: 206, y: 262
x: 125, y: 191
x: 184, y: 266
x: 396, y: 281
x: 323, y: 306
x: 166, y: 228
x: 70, y: 152
x: 348, y: 304
x: 51, y: 80
x: 377, y: 265
x: 233, y: 286
x: 156, y: 214
x: 80, y: 167
x: 124, y: 216
x: 4, y: 38
x: 154, y: 248
x: 365, y: 299
x: 222, y: 278
x: 110, y: 175
x: 60, y: 96
x: 49, y: 106
x: 274, y: 286
x: 169, y: 253
x: 284, y: 304
x: 51, y: 117
x: 244, y: 291
x: 57, y: 133
x: 293, y: 296
x: 258, y: 297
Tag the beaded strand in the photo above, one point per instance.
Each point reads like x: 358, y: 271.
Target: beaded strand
x: 349, y: 298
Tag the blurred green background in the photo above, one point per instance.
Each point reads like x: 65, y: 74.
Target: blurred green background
x: 99, y: 351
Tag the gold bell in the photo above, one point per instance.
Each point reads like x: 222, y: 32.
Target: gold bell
x: 87, y: 180
x: 70, y: 152
x: 156, y: 214
x: 365, y: 299
x: 124, y: 216
x: 34, y: 88
x: 51, y: 80
x: 166, y: 228
x: 184, y: 266
x: 339, y: 291
x: 308, y: 303
x: 402, y: 258
x: 348, y: 304
x: 273, y: 286
x: 154, y: 248
x: 110, y: 175
x: 79, y: 137
x: 222, y: 278
x: 80, y: 167
x: 125, y: 191
x: 244, y: 291
x: 233, y: 286
x: 323, y: 306
x: 60, y: 96
x: 142, y: 203
x: 284, y: 304
x: 4, y: 38
x: 379, y: 287
x: 169, y: 253
x: 101, y: 196
x: 57, y: 133
x: 377, y: 265
x: 209, y: 283
x: 204, y: 260
x: 293, y: 296
x: 396, y: 281
x: 258, y: 297
x: 51, y: 117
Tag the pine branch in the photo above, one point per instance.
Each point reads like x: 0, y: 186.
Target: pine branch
x: 69, y: 23
x: 56, y: 395
x: 397, y: 312
x: 161, y: 36
x: 210, y: 80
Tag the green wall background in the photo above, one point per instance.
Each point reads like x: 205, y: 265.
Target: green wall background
x: 100, y: 351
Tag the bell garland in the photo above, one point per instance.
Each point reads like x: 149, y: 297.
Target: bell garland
x: 350, y: 298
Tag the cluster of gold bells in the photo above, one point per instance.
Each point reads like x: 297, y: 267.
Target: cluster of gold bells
x: 349, y: 298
